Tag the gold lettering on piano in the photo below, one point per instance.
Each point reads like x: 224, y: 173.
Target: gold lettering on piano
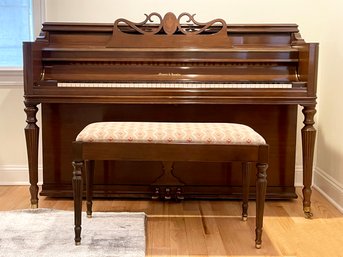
x: 171, y: 74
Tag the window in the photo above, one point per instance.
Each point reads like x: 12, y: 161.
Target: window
x: 15, y: 27
x: 20, y: 20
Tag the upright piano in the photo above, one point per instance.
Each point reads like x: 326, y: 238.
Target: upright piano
x: 169, y: 68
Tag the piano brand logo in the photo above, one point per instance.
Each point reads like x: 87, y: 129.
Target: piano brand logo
x: 169, y: 74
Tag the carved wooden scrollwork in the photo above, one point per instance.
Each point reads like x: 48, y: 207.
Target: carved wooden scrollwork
x: 169, y: 32
x: 138, y: 26
x: 200, y: 27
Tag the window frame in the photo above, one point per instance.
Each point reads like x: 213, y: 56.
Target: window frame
x: 13, y: 76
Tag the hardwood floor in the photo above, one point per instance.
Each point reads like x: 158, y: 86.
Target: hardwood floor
x: 214, y: 228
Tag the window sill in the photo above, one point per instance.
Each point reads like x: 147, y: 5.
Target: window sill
x: 11, y: 77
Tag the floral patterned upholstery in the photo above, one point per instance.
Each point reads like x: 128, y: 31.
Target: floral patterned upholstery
x: 164, y: 132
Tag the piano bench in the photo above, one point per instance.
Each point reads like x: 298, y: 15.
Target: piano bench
x: 168, y: 143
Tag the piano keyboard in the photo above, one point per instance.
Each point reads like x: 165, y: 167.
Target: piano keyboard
x: 177, y: 85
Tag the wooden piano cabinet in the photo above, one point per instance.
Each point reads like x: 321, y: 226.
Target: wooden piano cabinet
x: 62, y: 122
x: 164, y: 70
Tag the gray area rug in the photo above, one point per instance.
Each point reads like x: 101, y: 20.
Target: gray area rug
x: 47, y: 232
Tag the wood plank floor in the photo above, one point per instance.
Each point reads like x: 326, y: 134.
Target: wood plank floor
x: 214, y: 228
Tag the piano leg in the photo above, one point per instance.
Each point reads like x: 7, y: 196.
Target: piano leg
x: 308, y: 134
x: 31, y: 135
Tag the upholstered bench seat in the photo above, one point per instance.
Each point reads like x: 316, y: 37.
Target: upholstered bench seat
x: 170, y: 133
x: 169, y: 142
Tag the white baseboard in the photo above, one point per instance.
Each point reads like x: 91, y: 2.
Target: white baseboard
x: 19, y: 175
x: 16, y: 175
x: 298, y: 177
x: 329, y: 187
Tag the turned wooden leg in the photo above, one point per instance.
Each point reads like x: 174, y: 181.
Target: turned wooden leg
x: 245, y: 189
x: 89, y: 186
x: 308, y: 133
x: 77, y: 190
x: 261, y: 186
x: 32, y: 135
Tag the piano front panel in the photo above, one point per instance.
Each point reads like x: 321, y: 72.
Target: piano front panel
x: 62, y: 122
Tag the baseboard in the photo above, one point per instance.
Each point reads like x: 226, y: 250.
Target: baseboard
x: 19, y: 175
x: 16, y: 175
x: 323, y: 182
x: 329, y: 187
x: 298, y: 176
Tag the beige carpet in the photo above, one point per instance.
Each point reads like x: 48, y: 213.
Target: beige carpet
x: 50, y: 233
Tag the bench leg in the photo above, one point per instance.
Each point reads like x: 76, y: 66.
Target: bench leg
x: 77, y: 190
x: 261, y: 186
x: 245, y: 187
x: 89, y: 186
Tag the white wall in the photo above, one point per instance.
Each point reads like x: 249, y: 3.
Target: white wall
x: 329, y: 166
x: 12, y: 150
x: 319, y: 21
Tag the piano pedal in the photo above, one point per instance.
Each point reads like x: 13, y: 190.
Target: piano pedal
x: 156, y: 194
x: 167, y: 195
x: 179, y: 195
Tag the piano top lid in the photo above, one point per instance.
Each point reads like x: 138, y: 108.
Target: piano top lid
x: 108, y: 27
x: 170, y: 32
